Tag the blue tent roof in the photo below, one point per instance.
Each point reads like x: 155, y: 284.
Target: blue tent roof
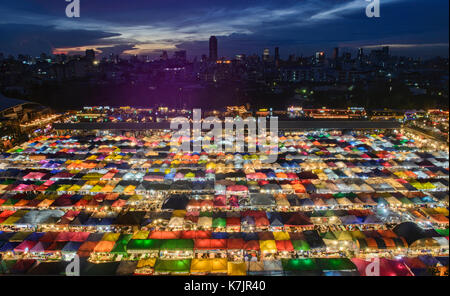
x: 219, y: 235
x: 72, y: 247
x: 35, y: 236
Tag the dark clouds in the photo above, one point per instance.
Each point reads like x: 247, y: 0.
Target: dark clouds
x: 35, y: 39
x: 296, y: 26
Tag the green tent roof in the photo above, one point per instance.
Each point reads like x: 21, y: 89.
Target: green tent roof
x: 299, y: 264
x: 301, y: 245
x: 121, y: 244
x: 177, y: 244
x: 219, y: 222
x: 179, y: 266
x: 144, y: 244
x: 443, y: 232
x: 335, y: 264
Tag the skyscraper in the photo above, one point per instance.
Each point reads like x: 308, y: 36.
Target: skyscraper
x: 319, y: 57
x: 360, y: 54
x: 277, y: 53
x: 335, y: 53
x: 180, y: 55
x: 266, y: 54
x: 213, y: 48
x: 164, y: 56
x: 90, y: 55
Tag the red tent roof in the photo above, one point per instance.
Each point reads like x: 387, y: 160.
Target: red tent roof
x: 235, y: 244
x: 210, y: 244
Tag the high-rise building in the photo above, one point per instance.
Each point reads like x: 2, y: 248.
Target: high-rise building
x: 320, y: 57
x: 385, y: 50
x: 335, y: 53
x: 240, y: 57
x: 90, y: 55
x: 266, y: 54
x: 164, y: 56
x: 360, y: 54
x: 277, y: 54
x: 180, y: 55
x: 347, y: 56
x: 213, y: 55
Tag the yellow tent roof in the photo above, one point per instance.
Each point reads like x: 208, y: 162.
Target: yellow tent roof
x: 216, y: 265
x: 343, y: 235
x: 237, y: 269
x: 11, y: 220
x: 150, y: 262
x: 356, y: 234
x: 219, y: 265
x: 111, y: 237
x: 268, y: 246
x: 142, y: 234
x: 201, y: 266
x: 281, y: 235
x: 179, y: 213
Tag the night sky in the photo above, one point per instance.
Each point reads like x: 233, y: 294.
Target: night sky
x: 146, y: 27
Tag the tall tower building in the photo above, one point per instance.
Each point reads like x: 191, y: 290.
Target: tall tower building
x: 266, y: 54
x: 335, y: 53
x: 277, y: 53
x: 164, y: 56
x: 319, y: 57
x: 180, y: 55
x: 385, y: 50
x: 360, y: 54
x: 213, y: 56
x: 90, y: 55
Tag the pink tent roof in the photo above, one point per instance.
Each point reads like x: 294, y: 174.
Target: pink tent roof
x: 34, y: 176
x: 79, y: 236
x: 25, y: 246
x: 40, y: 247
x: 64, y: 236
x: 387, y: 267
x: 236, y: 188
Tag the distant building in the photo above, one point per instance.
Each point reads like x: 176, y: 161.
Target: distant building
x: 319, y: 57
x: 240, y: 57
x: 90, y: 55
x: 347, y: 56
x: 360, y: 54
x: 180, y: 55
x: 335, y: 53
x: 266, y: 54
x: 379, y: 56
x: 277, y: 53
x: 164, y: 56
x: 213, y: 55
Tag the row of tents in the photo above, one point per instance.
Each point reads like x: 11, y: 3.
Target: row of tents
x: 418, y: 266
x: 180, y: 219
x: 406, y: 236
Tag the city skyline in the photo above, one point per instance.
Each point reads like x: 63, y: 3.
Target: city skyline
x: 296, y: 27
